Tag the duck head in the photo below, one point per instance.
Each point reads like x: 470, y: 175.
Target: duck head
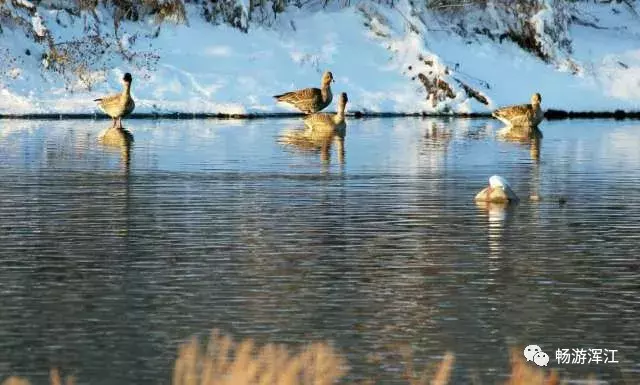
x: 327, y: 78
x: 536, y: 98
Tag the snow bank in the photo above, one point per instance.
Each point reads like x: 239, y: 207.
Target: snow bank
x: 386, y: 59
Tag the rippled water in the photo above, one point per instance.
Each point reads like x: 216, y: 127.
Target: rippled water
x: 110, y: 258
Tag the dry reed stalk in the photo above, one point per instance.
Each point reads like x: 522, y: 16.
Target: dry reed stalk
x: 15, y: 381
x: 444, y: 370
x: 526, y: 374
x: 54, y: 379
x: 442, y: 373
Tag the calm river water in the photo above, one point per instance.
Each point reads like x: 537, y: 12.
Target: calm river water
x: 110, y: 258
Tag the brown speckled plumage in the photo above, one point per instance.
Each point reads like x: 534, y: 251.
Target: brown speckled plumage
x: 321, y: 130
x: 118, y: 105
x: 310, y: 100
x: 522, y: 115
x: 321, y: 124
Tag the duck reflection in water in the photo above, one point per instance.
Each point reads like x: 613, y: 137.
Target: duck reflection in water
x: 498, y: 216
x: 300, y: 141
x: 530, y: 136
x: 321, y: 131
x: 437, y: 135
x: 121, y: 139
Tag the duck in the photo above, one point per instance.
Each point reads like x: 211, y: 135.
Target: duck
x: 118, y: 105
x: 521, y: 115
x: 325, y: 124
x: 321, y: 129
x: 310, y: 100
x: 498, y: 191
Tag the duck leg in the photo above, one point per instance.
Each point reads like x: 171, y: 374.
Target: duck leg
x: 120, y: 123
x: 113, y: 122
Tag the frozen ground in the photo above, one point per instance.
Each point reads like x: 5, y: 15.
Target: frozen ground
x: 376, y: 55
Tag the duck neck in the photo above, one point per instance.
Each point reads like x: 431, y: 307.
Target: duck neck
x: 127, y: 90
x: 326, y: 92
x: 340, y: 113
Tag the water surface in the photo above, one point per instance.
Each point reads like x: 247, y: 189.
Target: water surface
x: 111, y: 257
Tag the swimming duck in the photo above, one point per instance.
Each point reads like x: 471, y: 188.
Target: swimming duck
x: 310, y: 100
x: 321, y: 130
x: 498, y: 191
x: 325, y: 124
x: 118, y: 105
x: 521, y: 115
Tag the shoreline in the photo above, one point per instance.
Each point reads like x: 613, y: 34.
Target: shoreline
x: 550, y: 114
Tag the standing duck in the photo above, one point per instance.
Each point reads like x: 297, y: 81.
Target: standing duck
x: 118, y: 105
x: 310, y: 100
x: 521, y: 115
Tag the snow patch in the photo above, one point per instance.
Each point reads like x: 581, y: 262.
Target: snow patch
x: 26, y: 4
x: 620, y: 75
x: 38, y: 27
x: 221, y: 50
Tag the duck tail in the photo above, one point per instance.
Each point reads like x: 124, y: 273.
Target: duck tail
x: 499, y: 113
x: 282, y: 97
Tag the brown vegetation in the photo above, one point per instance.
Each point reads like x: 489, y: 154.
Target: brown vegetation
x: 226, y: 362
x: 83, y: 58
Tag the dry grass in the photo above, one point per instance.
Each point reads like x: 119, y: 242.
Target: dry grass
x: 440, y: 376
x: 225, y: 362
x: 54, y: 379
x: 85, y: 58
x: 527, y: 374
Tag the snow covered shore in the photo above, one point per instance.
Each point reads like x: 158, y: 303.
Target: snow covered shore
x: 388, y: 59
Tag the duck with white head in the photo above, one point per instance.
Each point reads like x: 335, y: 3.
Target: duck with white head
x: 498, y: 191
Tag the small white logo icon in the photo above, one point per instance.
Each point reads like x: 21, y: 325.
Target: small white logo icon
x: 530, y: 351
x: 541, y: 359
